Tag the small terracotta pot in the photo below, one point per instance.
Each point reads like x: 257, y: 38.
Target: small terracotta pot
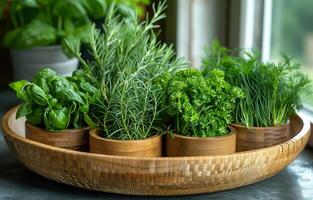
x: 74, y: 139
x: 180, y: 145
x: 150, y: 147
x: 260, y: 137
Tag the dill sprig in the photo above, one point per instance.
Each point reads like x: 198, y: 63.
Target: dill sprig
x: 272, y: 90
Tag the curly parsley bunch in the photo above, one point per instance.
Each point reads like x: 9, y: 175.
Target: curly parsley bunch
x: 200, y: 106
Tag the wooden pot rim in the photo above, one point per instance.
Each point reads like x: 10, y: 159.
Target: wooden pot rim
x: 262, y: 128
x: 63, y: 132
x: 94, y: 133
x: 232, y: 132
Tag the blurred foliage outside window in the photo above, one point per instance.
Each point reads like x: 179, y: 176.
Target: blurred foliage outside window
x: 292, y: 34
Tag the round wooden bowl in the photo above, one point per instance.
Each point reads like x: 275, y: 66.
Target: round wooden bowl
x: 150, y: 147
x: 74, y: 139
x: 157, y: 175
x: 179, y: 145
x: 259, y: 137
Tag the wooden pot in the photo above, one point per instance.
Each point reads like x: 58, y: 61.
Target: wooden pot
x: 150, y: 147
x: 74, y: 139
x: 260, y: 137
x: 180, y: 145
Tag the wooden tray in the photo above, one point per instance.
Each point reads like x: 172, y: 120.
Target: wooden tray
x: 153, y: 176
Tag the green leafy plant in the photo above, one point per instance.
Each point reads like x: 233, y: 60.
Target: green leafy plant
x: 272, y: 91
x: 48, y: 22
x: 202, y: 106
x: 55, y: 102
x: 135, y: 7
x: 126, y: 61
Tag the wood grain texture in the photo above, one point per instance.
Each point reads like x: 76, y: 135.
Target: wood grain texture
x: 150, y: 147
x: 259, y: 137
x: 153, y: 176
x: 75, y: 139
x: 180, y: 145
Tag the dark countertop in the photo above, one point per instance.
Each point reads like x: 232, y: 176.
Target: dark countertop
x: 17, y: 182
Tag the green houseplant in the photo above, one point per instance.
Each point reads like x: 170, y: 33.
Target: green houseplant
x: 201, y: 107
x: 272, y: 93
x: 38, y: 29
x: 56, y: 108
x: 126, y: 61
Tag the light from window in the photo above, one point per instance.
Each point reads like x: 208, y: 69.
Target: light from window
x: 292, y: 34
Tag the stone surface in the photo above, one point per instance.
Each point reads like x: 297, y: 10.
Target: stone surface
x: 17, y: 182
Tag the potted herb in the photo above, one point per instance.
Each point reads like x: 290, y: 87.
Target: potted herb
x: 126, y: 61
x: 201, y: 108
x: 272, y: 95
x: 38, y: 28
x: 56, y: 109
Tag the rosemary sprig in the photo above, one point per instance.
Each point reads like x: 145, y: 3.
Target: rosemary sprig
x: 126, y: 61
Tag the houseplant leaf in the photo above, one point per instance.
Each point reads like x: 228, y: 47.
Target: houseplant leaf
x: 96, y: 8
x: 36, y: 33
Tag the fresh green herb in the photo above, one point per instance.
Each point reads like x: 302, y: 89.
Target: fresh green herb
x: 133, y: 7
x: 39, y: 23
x: 201, y: 106
x: 55, y: 102
x: 272, y: 91
x: 126, y: 61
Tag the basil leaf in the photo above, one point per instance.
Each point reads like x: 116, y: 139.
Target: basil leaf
x: 22, y: 94
x: 42, y: 78
x: 59, y: 119
x: 79, y: 74
x: 24, y: 109
x: 72, y: 95
x: 89, y: 121
x: 44, y: 85
x: 64, y: 90
x: 36, y: 116
x: 45, y: 73
x: 18, y: 85
x: 76, y: 119
x: 38, y: 95
x: 46, y: 120
x: 87, y: 87
x: 84, y: 108
x: 54, y: 103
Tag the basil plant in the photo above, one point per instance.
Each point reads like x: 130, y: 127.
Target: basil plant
x: 54, y: 102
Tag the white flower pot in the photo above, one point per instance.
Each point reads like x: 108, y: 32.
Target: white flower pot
x: 27, y: 62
